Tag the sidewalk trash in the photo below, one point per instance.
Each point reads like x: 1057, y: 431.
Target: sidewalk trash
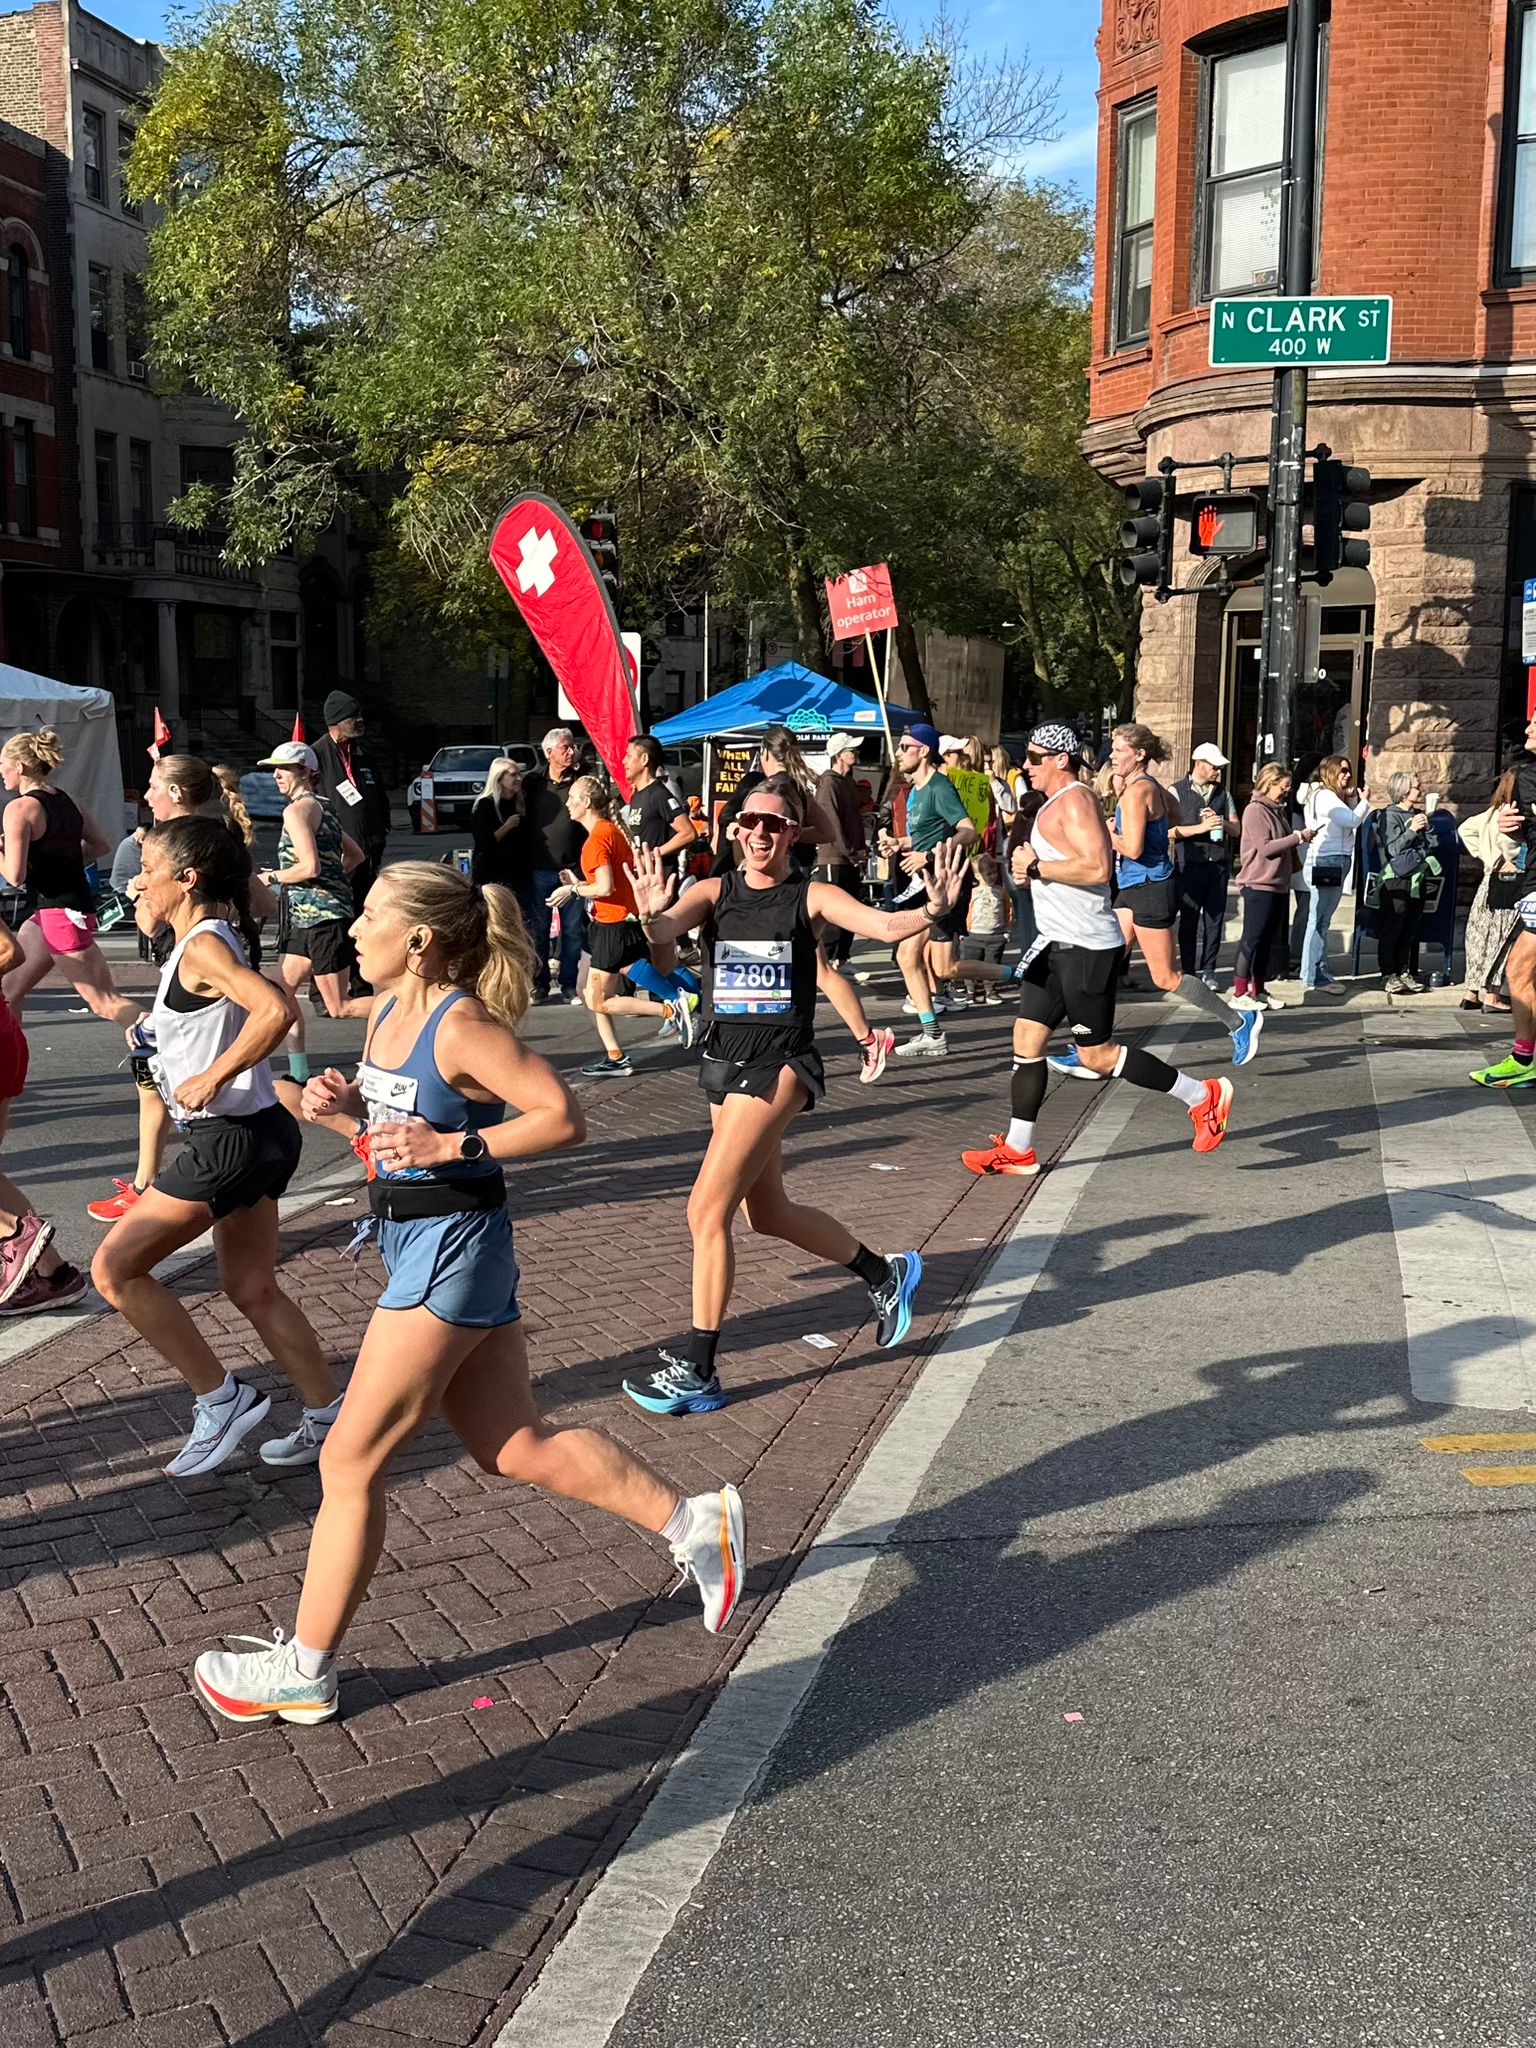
x: 484, y: 1700
x: 821, y: 1343
x: 1071, y: 1717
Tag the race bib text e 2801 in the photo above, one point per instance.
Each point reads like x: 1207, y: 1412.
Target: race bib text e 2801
x: 753, y: 977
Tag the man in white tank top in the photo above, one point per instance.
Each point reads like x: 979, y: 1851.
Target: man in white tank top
x: 1068, y: 975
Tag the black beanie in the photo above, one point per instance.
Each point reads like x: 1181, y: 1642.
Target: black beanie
x: 339, y: 706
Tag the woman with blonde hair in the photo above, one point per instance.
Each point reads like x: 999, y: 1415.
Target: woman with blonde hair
x: 48, y: 842
x: 453, y: 968
x: 1336, y: 812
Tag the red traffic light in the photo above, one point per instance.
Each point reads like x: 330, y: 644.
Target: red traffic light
x: 1224, y: 523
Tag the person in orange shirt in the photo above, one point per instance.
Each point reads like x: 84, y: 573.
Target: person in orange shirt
x: 614, y: 938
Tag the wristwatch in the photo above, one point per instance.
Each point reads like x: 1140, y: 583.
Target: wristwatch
x: 471, y: 1147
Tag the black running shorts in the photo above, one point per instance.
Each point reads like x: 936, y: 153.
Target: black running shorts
x: 233, y: 1162
x: 1154, y: 906
x: 719, y: 1078
x: 614, y: 947
x: 1075, y: 985
x: 325, y: 946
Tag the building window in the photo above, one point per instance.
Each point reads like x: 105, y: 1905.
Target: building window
x: 125, y: 138
x: 1520, y: 146
x: 1244, y: 147
x: 24, y: 475
x: 141, y: 493
x: 135, y: 327
x: 19, y: 301
x: 99, y: 296
x: 106, y: 490
x: 93, y: 152
x: 1136, y: 170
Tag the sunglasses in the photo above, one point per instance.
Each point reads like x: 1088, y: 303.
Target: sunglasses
x: 1034, y: 757
x: 766, y: 821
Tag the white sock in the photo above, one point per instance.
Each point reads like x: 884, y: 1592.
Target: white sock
x: 1021, y: 1135
x: 327, y: 1414
x: 1190, y: 1093
x: 220, y: 1395
x: 312, y: 1663
x: 675, y: 1528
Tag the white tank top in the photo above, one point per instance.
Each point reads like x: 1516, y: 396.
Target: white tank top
x: 192, y: 1031
x: 1070, y: 913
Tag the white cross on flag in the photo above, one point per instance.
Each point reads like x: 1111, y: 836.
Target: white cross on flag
x: 540, y: 556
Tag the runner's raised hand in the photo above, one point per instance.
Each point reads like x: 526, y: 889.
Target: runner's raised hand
x: 653, y: 887
x: 947, y: 877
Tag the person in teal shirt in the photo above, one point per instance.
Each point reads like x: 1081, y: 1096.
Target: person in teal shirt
x: 935, y: 814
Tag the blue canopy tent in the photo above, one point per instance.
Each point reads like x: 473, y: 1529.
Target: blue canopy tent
x: 773, y: 698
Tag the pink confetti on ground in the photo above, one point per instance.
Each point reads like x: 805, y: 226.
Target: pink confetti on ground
x: 1065, y: 1717
x: 485, y: 1700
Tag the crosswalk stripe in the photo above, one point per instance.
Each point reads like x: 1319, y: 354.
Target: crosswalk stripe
x: 1500, y: 1475
x: 1485, y: 1440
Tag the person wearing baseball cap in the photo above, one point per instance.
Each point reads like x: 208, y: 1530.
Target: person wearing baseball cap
x: 1203, y: 840
x: 315, y: 859
x: 935, y: 815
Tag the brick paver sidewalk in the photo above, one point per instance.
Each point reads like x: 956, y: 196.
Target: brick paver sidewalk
x: 515, y: 1680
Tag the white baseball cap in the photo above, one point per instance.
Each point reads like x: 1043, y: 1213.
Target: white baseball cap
x: 948, y: 744
x: 841, y: 743
x: 1212, y: 754
x: 292, y: 754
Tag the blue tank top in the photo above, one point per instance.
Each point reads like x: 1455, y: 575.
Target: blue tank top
x: 416, y: 1088
x: 1155, y: 863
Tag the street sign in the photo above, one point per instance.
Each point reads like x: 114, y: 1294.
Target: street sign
x: 1300, y: 333
x: 1528, y: 621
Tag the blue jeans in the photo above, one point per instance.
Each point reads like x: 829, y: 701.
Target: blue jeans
x: 573, y: 926
x: 1314, y: 947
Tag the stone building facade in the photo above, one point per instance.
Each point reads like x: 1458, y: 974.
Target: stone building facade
x: 1427, y: 159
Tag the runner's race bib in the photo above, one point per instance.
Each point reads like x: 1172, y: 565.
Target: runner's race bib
x: 391, y: 1099
x: 753, y: 977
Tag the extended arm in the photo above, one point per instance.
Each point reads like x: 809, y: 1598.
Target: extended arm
x: 209, y: 968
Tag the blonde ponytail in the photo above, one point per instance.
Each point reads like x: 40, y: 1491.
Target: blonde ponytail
x: 35, y: 753
x: 237, y: 816
x: 485, y: 947
x: 506, y: 980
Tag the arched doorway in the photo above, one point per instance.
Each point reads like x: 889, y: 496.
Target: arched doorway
x: 1333, y: 702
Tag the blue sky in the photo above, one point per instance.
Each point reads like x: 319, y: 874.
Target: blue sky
x: 1056, y: 35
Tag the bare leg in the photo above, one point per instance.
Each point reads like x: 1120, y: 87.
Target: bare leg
x: 246, y: 1245
x: 911, y: 959
x: 122, y: 1270
x: 596, y: 990
x: 14, y: 1205
x: 1520, y: 980
x: 293, y: 972
x: 35, y: 962
x: 92, y: 979
x: 747, y: 1134
x: 333, y: 993
x: 770, y: 1211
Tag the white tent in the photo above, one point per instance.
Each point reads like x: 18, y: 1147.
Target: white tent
x: 86, y: 723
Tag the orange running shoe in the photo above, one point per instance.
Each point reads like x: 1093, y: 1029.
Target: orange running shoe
x: 1000, y: 1157
x: 1210, y: 1117
x: 110, y: 1207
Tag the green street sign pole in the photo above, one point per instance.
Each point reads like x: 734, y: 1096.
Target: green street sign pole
x: 1283, y: 640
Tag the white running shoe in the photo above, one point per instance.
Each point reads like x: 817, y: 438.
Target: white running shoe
x: 713, y: 1554
x: 218, y: 1430
x: 302, y: 1447
x: 1248, y: 1003
x: 681, y: 1010
x: 928, y: 1045
x: 253, y: 1685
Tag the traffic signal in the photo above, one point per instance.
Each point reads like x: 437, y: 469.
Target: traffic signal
x: 601, y: 534
x: 1224, y: 523
x: 1147, y: 535
x: 1341, y: 508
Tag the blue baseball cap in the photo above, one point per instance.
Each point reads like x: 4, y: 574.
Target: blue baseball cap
x: 926, y: 736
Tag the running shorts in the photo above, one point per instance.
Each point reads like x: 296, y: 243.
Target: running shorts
x: 66, y: 931
x: 719, y: 1078
x: 614, y: 947
x: 461, y: 1267
x: 233, y: 1162
x: 325, y: 946
x: 1072, y: 984
x: 1154, y: 906
x: 13, y: 1057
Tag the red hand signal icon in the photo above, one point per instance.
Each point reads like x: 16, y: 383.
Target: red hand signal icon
x: 1209, y: 522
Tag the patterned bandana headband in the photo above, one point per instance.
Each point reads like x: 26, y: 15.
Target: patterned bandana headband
x: 1055, y: 739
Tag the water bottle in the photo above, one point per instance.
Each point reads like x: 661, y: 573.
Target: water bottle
x: 391, y: 1113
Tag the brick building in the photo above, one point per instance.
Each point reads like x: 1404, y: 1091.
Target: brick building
x: 39, y: 523
x: 1427, y: 159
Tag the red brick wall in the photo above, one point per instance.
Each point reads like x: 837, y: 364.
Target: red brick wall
x: 1414, y: 114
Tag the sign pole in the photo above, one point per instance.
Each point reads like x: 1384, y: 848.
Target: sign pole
x: 874, y: 669
x: 1281, y: 651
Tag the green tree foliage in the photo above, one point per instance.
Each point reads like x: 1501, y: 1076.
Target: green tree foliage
x: 751, y: 277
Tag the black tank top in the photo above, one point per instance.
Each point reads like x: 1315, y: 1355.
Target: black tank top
x: 760, y: 971
x: 55, y: 864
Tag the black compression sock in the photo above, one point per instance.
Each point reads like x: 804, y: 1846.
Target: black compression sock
x: 698, y: 1347
x: 871, y: 1267
x: 1143, y: 1070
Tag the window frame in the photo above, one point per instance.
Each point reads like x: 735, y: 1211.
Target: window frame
x: 18, y: 304
x: 1210, y: 56
x: 127, y: 135
x: 109, y: 511
x: 93, y: 121
x: 92, y: 272
x: 1505, y: 271
x: 1126, y: 116
x: 24, y: 441
x: 141, y: 463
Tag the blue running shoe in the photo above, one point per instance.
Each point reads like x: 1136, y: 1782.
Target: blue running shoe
x: 893, y: 1297
x: 1245, y: 1036
x: 1068, y: 1063
x: 676, y: 1389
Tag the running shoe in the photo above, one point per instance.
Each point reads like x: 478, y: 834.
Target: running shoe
x: 110, y: 1207
x: 940, y: 1005
x: 928, y: 1045
x: 1070, y: 1063
x: 253, y: 1685
x: 1250, y: 1003
x: 892, y: 1299
x: 992, y: 997
x: 1507, y: 1073
x: 713, y: 1553
x: 61, y: 1288
x: 681, y: 1010
x: 606, y: 1069
x: 873, y: 1057
x: 1211, y: 982
x: 1245, y: 1037
x: 574, y: 1001
x: 302, y: 1446
x: 218, y: 1430
x: 1210, y: 1117
x: 20, y: 1252
x: 1000, y: 1157
x: 1410, y: 985
x: 1268, y: 1002
x: 676, y: 1389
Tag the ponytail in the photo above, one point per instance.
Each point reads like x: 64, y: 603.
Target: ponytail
x: 236, y: 816
x: 505, y: 985
x: 484, y: 943
x: 222, y: 865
